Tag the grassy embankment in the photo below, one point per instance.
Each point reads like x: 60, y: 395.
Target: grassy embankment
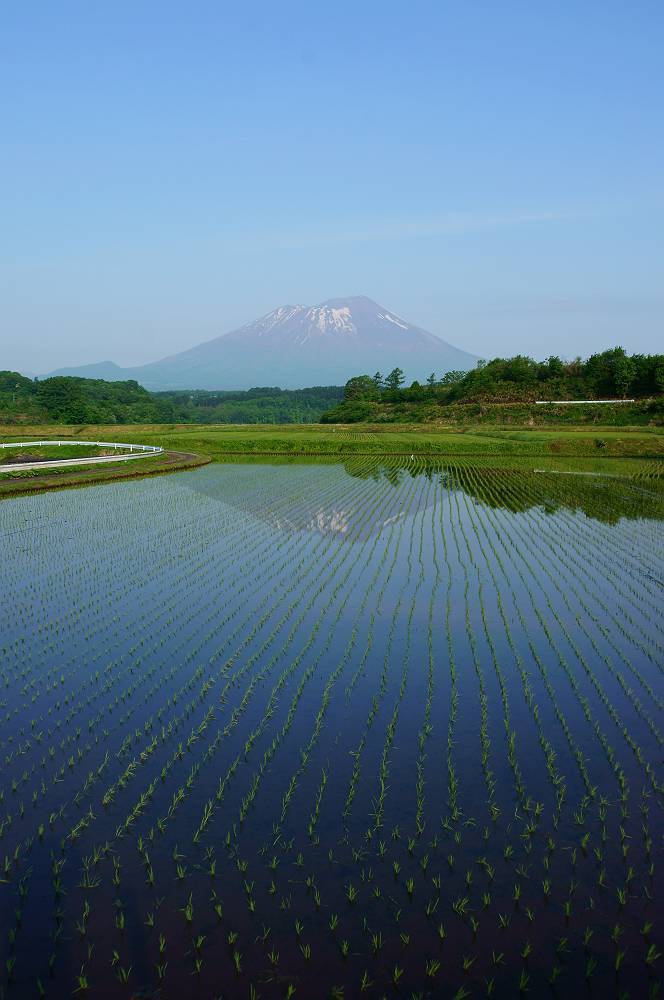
x: 18, y: 480
x: 219, y: 441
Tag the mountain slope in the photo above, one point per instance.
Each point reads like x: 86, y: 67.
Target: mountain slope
x: 106, y: 370
x: 297, y: 346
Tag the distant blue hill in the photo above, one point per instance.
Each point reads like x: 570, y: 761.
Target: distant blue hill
x: 106, y: 370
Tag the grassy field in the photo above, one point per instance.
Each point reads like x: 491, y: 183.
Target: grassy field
x: 218, y: 441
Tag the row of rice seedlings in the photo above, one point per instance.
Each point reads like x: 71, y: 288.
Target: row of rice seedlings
x: 388, y: 547
x: 605, y: 700
x: 119, y: 545
x: 189, y: 684
x: 602, y: 813
x: 222, y: 525
x: 572, y: 551
x: 292, y: 667
x: 306, y: 751
x: 378, y: 801
x: 510, y: 733
x: 248, y: 799
x: 305, y: 678
x: 393, y: 545
x: 426, y: 729
x: 253, y: 684
x: 569, y: 583
x: 578, y: 588
x: 298, y: 580
x: 485, y: 741
x: 108, y: 683
x: 122, y: 964
x: 585, y: 838
x: 555, y: 776
x: 191, y: 544
x: 508, y: 568
x: 244, y: 669
x: 575, y: 583
x: 389, y: 727
x: 514, y: 554
x: 591, y: 555
x: 452, y: 779
x: 575, y: 558
x: 633, y: 548
x: 565, y: 554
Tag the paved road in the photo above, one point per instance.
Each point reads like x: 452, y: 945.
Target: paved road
x: 60, y: 463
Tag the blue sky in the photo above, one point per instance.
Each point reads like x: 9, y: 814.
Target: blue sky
x: 493, y: 172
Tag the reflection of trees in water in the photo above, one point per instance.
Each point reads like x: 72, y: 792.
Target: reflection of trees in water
x: 603, y: 498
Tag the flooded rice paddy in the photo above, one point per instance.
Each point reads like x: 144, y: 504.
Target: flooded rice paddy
x: 333, y: 730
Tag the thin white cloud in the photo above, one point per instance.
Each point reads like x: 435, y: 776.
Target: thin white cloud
x: 598, y: 304
x: 404, y: 229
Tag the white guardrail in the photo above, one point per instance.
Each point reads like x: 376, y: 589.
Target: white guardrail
x: 130, y: 452
x: 96, y: 444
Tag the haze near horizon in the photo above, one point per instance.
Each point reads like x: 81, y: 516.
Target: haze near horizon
x: 491, y: 173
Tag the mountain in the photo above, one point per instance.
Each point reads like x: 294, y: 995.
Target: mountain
x: 298, y: 346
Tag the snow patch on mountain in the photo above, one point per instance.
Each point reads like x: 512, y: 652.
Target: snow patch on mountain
x: 275, y: 318
x: 393, y: 319
x: 328, y: 318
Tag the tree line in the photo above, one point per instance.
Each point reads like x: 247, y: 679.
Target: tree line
x: 70, y: 400
x: 609, y: 374
x: 260, y: 405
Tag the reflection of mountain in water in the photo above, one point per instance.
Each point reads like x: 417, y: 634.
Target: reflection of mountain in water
x: 337, y: 522
x: 347, y: 515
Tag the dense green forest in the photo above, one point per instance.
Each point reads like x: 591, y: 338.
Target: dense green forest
x: 520, y: 380
x: 496, y: 389
x: 267, y: 405
x: 78, y: 401
x: 611, y: 374
x: 92, y: 401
